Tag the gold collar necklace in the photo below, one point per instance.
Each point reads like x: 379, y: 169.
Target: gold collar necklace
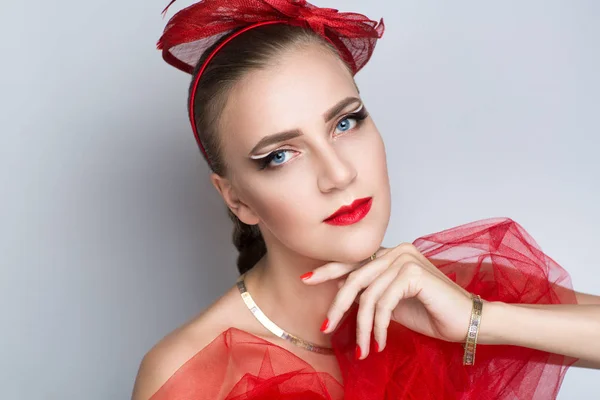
x: 272, y: 327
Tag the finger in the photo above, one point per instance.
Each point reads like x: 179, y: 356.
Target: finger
x: 327, y: 272
x: 407, y: 283
x: 334, y: 270
x: 366, y: 310
x: 379, y: 314
x: 409, y: 248
x: 355, y: 282
x: 427, y: 264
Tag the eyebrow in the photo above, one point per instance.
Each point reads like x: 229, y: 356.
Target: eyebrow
x: 293, y: 133
x: 336, y: 109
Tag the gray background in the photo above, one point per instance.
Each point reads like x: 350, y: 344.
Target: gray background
x: 111, y: 235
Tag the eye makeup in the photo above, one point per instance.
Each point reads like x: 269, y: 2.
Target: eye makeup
x: 359, y: 116
x: 263, y: 161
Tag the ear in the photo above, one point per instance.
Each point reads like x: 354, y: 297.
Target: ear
x: 233, y: 201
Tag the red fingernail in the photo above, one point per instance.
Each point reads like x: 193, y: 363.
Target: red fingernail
x: 325, y: 325
x: 357, y: 352
x: 376, y: 347
x: 306, y: 275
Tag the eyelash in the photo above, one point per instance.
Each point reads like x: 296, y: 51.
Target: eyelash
x: 359, y: 116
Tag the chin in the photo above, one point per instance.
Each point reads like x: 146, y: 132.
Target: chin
x: 358, y: 247
x: 355, y: 244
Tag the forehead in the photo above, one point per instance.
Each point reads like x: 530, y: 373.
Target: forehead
x: 292, y: 93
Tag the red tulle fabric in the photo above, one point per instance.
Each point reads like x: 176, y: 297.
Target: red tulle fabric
x: 495, y: 258
x: 197, y: 27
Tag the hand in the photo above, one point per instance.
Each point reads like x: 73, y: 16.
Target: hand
x: 400, y: 285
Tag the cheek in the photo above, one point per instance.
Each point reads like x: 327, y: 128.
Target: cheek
x: 287, y: 201
x: 373, y: 177
x: 379, y: 163
x: 367, y: 153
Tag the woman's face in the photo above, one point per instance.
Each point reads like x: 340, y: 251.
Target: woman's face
x: 327, y: 153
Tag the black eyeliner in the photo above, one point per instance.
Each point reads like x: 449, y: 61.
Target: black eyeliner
x: 264, y: 162
x: 359, y: 116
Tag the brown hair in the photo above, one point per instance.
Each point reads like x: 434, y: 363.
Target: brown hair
x: 252, y: 50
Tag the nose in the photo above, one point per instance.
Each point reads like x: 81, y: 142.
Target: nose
x: 336, y: 172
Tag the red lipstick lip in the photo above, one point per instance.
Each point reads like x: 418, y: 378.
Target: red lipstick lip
x: 351, y: 213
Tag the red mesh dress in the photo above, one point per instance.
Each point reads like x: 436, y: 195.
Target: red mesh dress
x: 495, y: 258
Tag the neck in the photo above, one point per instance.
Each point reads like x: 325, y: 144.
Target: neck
x: 300, y: 309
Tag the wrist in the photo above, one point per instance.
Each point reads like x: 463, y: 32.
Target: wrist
x: 495, y: 323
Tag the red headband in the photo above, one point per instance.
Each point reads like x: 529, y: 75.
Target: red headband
x: 196, y: 28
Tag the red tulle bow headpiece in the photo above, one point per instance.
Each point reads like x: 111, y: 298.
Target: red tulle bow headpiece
x: 196, y: 28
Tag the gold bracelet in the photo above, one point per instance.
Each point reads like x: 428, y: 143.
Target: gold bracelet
x: 474, y: 324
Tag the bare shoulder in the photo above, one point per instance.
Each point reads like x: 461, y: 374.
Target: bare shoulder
x: 179, y: 346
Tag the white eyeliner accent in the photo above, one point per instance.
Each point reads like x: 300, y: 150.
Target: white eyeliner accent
x: 358, y: 109
x: 259, y: 156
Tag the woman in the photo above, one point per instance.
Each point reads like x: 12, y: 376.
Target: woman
x: 321, y: 311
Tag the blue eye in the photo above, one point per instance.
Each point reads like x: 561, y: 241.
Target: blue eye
x: 346, y: 124
x: 278, y: 157
x: 275, y: 159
